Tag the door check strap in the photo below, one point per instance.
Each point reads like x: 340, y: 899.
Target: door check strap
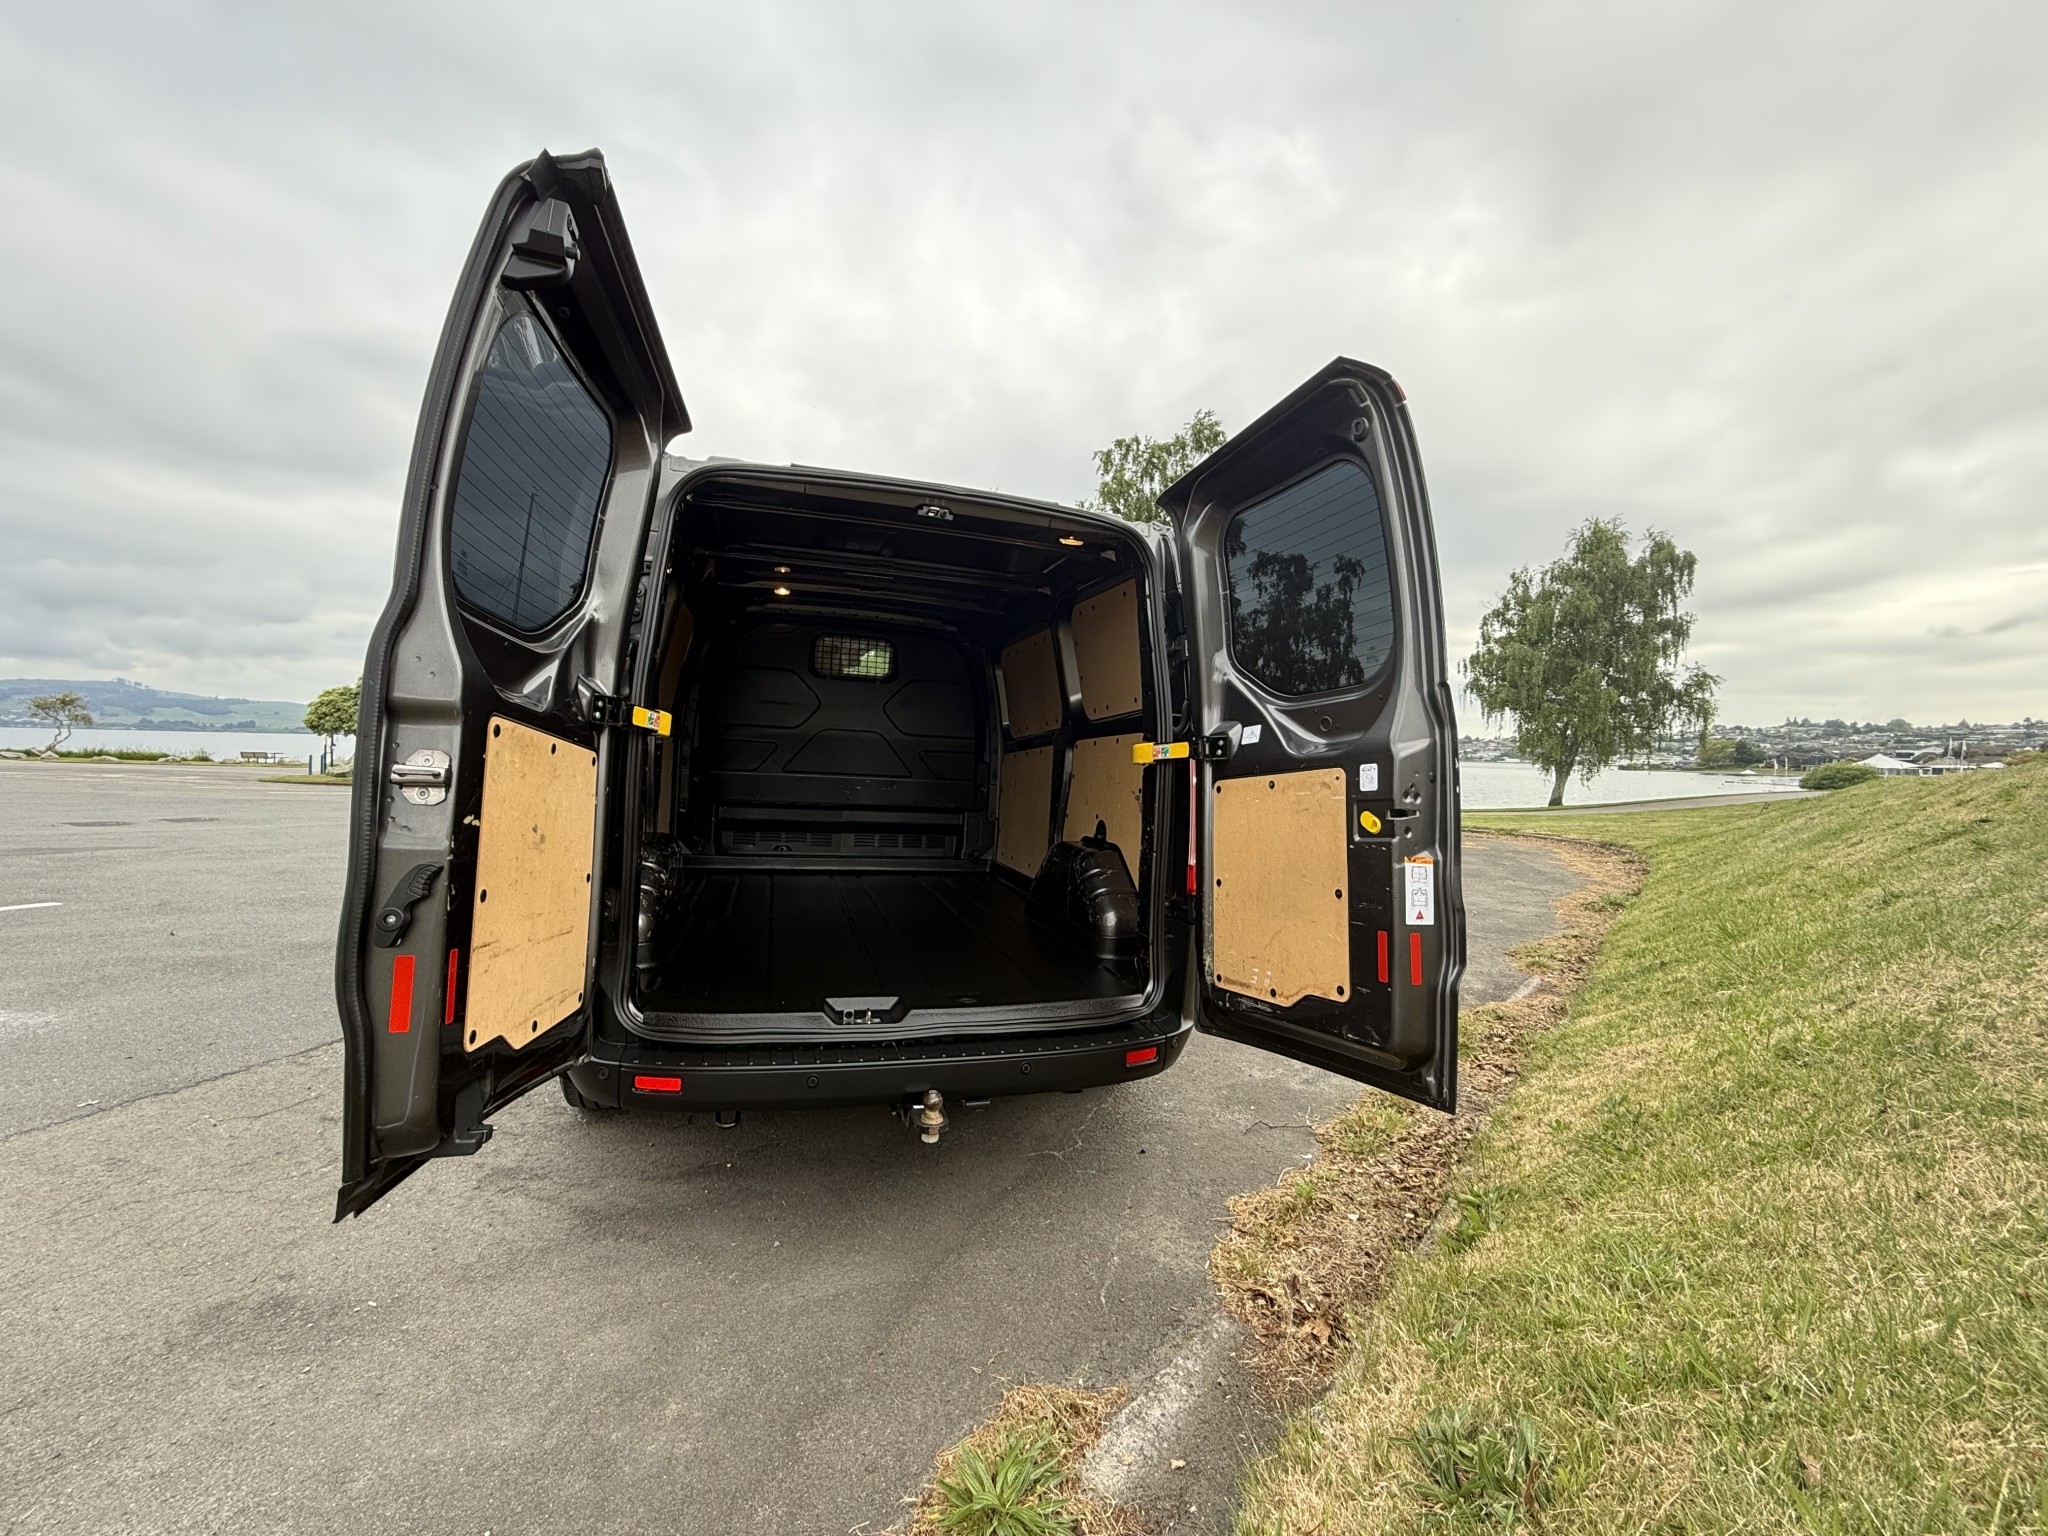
x: 1158, y: 751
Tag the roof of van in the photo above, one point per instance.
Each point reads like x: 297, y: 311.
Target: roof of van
x: 675, y: 467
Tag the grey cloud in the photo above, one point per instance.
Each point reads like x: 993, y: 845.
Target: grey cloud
x: 1764, y: 277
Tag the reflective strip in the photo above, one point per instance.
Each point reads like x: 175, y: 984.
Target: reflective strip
x: 1415, y: 959
x: 448, y: 1003
x: 399, y: 1019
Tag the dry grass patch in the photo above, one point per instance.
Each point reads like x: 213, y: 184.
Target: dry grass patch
x: 1016, y: 1474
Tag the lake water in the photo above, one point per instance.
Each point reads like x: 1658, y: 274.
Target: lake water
x: 1500, y: 786
x: 228, y: 745
x: 1488, y: 786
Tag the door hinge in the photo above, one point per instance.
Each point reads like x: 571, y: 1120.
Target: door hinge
x: 423, y: 777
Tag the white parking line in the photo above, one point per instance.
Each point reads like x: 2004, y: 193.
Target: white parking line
x: 30, y: 906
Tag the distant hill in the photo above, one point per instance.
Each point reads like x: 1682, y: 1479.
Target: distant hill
x: 122, y: 704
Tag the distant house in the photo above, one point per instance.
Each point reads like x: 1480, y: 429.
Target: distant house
x: 1897, y: 767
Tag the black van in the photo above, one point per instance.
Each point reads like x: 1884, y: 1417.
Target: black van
x: 707, y: 785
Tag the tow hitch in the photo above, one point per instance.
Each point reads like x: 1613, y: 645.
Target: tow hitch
x: 930, y: 1120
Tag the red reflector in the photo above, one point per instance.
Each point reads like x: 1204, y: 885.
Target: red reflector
x: 1383, y: 954
x: 1415, y: 958
x: 399, y: 1019
x: 448, y: 1004
x: 642, y: 1083
x: 1143, y: 1056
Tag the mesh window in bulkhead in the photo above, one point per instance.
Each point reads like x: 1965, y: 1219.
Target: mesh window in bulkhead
x: 532, y: 479
x: 850, y: 656
x: 1311, y: 596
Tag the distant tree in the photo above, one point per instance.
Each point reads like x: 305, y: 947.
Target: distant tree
x: 1724, y: 752
x: 333, y: 713
x: 1586, y: 655
x: 1898, y: 723
x: 62, y: 712
x: 1132, y: 471
x: 1838, y: 776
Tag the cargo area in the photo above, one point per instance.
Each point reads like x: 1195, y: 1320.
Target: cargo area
x: 898, y: 797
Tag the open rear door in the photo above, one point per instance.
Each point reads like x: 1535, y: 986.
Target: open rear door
x: 1332, y: 920
x: 472, y: 905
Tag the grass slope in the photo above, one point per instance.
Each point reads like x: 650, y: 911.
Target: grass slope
x: 1766, y: 1237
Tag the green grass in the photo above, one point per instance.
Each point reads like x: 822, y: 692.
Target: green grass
x: 1011, y: 1489
x: 1761, y: 1240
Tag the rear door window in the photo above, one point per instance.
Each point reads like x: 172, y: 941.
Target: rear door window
x: 532, y: 479
x: 1311, y: 599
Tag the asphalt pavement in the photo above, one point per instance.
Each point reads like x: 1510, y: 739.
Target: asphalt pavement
x: 613, y: 1323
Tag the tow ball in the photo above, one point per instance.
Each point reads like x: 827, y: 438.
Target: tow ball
x: 930, y: 1120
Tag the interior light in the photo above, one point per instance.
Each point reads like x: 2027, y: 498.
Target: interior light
x: 782, y: 591
x: 782, y: 570
x: 1070, y: 541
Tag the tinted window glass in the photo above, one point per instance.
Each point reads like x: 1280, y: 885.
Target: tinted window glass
x: 532, y: 476
x: 1311, y: 599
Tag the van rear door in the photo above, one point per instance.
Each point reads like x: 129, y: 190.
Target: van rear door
x: 470, y: 919
x: 1331, y: 914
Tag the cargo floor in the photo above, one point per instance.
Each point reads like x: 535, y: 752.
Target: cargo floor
x: 761, y: 941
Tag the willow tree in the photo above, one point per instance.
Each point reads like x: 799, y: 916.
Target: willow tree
x: 1586, y: 656
x: 1132, y: 471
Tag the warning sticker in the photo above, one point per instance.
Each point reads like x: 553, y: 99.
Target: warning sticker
x: 1421, y: 902
x: 1251, y: 735
x: 1368, y: 778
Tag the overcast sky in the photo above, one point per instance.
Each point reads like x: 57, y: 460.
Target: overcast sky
x: 1772, y: 278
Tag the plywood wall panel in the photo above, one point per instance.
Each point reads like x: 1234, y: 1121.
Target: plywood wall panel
x: 1279, y: 907
x: 1024, y: 809
x: 530, y: 922
x: 1031, y: 686
x: 1106, y: 652
x: 1108, y: 787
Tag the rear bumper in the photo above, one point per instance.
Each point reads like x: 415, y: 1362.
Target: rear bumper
x: 785, y: 1077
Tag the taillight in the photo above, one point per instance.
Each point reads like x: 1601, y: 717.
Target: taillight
x: 647, y: 1083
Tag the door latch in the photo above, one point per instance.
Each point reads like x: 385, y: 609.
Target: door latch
x: 423, y: 777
